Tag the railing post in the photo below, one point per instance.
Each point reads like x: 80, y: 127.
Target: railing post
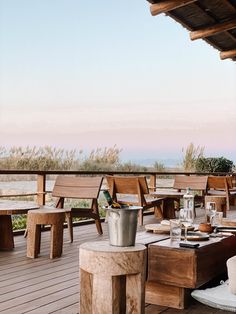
x: 41, y: 189
x: 152, y: 183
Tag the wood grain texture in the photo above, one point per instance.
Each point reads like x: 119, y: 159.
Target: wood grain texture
x: 221, y: 186
x: 86, y: 188
x: 228, y: 54
x: 168, y: 5
x: 7, y: 209
x: 41, y: 188
x: 54, y: 218
x: 134, y: 191
x: 212, y: 30
x: 6, y: 233
x: 111, y: 267
x: 173, y: 270
x: 161, y: 294
x: 196, y: 183
x: 77, y: 187
x: 48, y: 286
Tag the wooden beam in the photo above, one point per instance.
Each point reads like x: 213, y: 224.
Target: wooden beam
x: 212, y: 30
x: 229, y: 5
x: 231, y: 36
x: 228, y: 54
x: 168, y: 5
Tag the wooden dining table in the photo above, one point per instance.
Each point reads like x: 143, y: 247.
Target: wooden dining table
x: 169, y: 196
x: 7, y: 209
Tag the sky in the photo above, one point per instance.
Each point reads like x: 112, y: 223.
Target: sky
x: 81, y: 74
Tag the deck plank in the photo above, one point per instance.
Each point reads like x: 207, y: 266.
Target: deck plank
x: 43, y: 285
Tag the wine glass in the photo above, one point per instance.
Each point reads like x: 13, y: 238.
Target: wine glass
x: 186, y: 216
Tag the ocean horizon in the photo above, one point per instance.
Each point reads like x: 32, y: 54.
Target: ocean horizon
x: 148, y: 162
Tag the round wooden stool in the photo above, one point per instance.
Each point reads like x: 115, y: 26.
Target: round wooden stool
x: 220, y: 202
x: 36, y: 218
x: 112, y: 278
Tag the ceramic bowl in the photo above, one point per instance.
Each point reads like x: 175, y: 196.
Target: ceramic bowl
x: 205, y: 227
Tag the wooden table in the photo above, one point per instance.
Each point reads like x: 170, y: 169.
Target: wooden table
x: 168, y: 201
x: 169, y: 194
x: 8, y: 208
x: 146, y: 238
x: 174, y: 271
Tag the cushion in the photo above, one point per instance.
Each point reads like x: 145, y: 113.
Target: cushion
x: 231, y: 268
x: 218, y: 297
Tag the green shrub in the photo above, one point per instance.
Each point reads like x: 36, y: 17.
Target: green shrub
x: 19, y: 222
x: 214, y: 164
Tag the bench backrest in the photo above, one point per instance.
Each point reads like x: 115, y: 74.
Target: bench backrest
x: 219, y: 182
x: 77, y: 187
x: 196, y: 183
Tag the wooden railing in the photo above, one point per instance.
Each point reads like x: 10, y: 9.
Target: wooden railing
x: 42, y: 177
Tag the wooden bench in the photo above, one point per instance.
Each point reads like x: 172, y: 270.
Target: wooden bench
x: 134, y: 191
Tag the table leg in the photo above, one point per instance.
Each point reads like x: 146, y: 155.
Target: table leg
x: 6, y: 233
x: 169, y: 208
x: 166, y: 295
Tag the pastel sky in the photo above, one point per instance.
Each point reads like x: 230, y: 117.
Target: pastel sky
x: 81, y: 74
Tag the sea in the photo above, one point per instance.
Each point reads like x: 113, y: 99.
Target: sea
x: 148, y: 162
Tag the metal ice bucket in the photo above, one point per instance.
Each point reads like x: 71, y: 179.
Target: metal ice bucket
x: 122, y: 225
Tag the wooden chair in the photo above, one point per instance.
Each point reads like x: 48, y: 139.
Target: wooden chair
x: 221, y: 186
x: 134, y: 191
x: 195, y: 183
x: 83, y: 188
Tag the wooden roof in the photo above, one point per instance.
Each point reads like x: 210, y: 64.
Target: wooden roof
x: 211, y: 20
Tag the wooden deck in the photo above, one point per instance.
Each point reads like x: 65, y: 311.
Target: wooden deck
x: 52, y: 286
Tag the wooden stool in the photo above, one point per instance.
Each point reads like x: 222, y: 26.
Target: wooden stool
x: 220, y: 202
x: 39, y: 217
x: 112, y: 278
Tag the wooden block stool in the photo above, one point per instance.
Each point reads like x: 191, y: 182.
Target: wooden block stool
x: 220, y: 202
x: 112, y: 278
x: 39, y: 217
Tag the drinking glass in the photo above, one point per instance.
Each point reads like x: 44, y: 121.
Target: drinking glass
x: 218, y: 219
x: 210, y: 212
x: 175, y: 230
x: 186, y: 217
